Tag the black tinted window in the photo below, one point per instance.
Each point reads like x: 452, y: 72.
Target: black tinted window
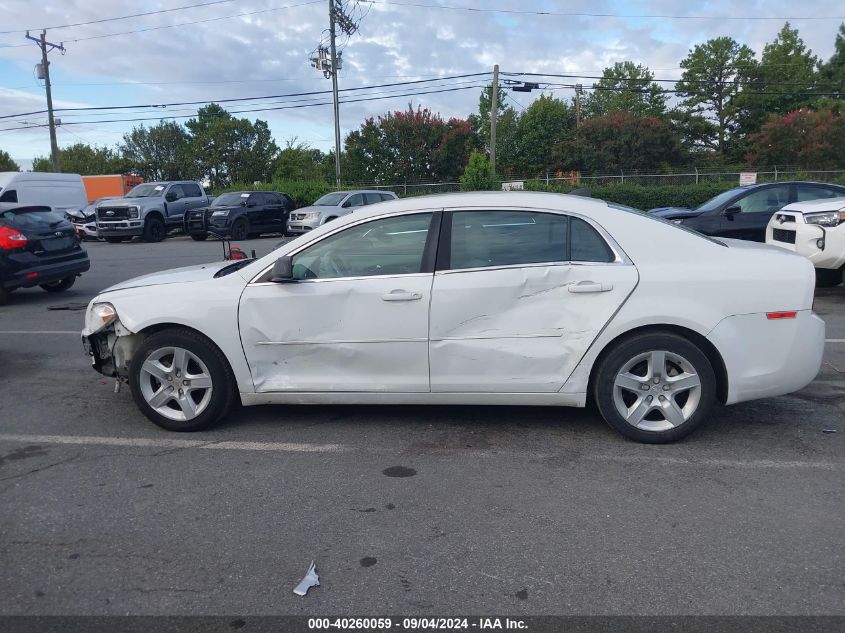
x: 176, y: 192
x: 810, y: 192
x: 371, y: 198
x: 10, y: 195
x: 272, y: 198
x: 503, y: 238
x: 387, y: 196
x: 191, y: 190
x: 586, y: 243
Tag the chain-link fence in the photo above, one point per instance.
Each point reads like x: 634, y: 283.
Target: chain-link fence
x: 645, y: 178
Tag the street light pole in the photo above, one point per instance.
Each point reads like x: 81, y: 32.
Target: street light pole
x: 334, y: 69
x: 45, y: 65
x: 494, y: 109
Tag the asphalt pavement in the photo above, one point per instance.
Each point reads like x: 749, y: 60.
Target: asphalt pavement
x: 405, y: 510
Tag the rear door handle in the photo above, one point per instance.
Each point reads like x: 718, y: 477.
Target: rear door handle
x: 402, y: 295
x: 590, y: 286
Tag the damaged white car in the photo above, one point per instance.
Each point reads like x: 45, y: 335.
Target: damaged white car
x: 476, y: 299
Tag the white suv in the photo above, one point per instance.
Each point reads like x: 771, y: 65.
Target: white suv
x: 332, y: 206
x: 816, y: 230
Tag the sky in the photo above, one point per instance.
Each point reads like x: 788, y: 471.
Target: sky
x: 261, y: 48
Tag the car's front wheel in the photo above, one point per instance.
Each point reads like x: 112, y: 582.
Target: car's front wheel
x: 199, y: 237
x: 154, y: 229
x: 181, y: 381
x: 655, y: 387
x: 240, y: 229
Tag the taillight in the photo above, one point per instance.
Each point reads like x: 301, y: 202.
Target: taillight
x: 10, y: 239
x: 781, y: 315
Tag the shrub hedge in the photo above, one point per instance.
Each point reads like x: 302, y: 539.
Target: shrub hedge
x: 645, y: 197
x: 303, y: 192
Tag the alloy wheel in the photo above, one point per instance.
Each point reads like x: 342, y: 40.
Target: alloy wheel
x: 175, y: 383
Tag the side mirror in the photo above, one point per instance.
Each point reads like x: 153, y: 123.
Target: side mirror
x: 732, y: 211
x: 282, y: 270
x: 170, y: 196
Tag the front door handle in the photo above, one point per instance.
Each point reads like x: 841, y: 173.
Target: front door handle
x: 590, y: 286
x: 402, y: 295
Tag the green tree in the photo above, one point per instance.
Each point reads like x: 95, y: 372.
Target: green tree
x: 160, y: 152
x: 831, y: 77
x: 626, y: 87
x: 230, y: 150
x: 710, y: 84
x: 478, y: 174
x: 782, y: 82
x: 625, y: 141
x: 6, y: 162
x: 804, y: 137
x: 86, y: 160
x: 410, y: 146
x: 298, y: 161
x: 506, y: 128
x: 544, y: 132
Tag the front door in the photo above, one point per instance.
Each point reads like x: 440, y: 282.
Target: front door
x: 753, y: 214
x: 356, y: 319
x: 518, y: 297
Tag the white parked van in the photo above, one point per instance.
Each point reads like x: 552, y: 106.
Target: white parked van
x: 62, y: 192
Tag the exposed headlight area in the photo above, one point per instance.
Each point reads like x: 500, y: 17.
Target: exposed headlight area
x: 828, y: 218
x: 313, y: 215
x: 677, y: 221
x: 134, y: 212
x: 221, y: 213
x: 100, y: 316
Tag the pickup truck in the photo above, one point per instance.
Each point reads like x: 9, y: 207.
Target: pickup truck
x: 150, y: 210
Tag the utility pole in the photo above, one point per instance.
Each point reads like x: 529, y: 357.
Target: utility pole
x: 334, y: 69
x: 494, y: 108
x: 579, y: 90
x: 45, y: 66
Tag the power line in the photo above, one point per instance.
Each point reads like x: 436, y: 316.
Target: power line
x: 241, y: 99
x: 170, y: 26
x: 120, y: 17
x: 600, y: 15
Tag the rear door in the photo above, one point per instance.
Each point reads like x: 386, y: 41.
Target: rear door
x: 273, y: 216
x: 755, y: 209
x: 194, y: 197
x: 518, y: 297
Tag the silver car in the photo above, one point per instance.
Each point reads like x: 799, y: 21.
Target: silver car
x: 333, y: 205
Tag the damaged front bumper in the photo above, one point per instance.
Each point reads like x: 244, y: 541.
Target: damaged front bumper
x: 111, y: 349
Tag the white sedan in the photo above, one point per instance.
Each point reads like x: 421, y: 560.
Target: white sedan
x: 474, y: 299
x: 816, y: 230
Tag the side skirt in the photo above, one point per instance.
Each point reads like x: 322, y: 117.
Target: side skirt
x: 354, y: 397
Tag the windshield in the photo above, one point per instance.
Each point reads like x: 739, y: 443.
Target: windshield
x: 723, y: 197
x: 331, y: 199
x: 146, y: 190
x: 33, y: 219
x: 229, y: 199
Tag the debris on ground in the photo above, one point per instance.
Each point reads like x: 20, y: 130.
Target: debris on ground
x: 69, y: 306
x: 311, y: 580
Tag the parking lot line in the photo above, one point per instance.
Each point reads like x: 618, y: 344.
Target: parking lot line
x: 644, y: 459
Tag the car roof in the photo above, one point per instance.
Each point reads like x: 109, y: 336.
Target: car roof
x: 821, y: 204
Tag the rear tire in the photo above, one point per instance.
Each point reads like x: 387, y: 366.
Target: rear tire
x: 154, y: 230
x: 61, y: 285
x: 199, y: 237
x: 655, y: 387
x: 202, y: 363
x: 828, y: 277
x: 115, y: 240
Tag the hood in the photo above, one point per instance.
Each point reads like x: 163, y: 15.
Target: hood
x: 202, y: 272
x: 225, y: 207
x: 120, y: 202
x: 674, y: 213
x: 313, y: 209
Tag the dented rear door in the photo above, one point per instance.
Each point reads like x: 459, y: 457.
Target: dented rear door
x: 512, y: 310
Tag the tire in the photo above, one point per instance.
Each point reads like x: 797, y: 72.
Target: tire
x: 199, y: 237
x: 115, y: 240
x: 156, y: 359
x: 625, y: 391
x: 828, y: 277
x: 154, y: 229
x: 61, y: 285
x: 240, y: 229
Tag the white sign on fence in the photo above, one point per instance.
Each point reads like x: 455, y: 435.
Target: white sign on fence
x: 513, y: 185
x: 747, y: 178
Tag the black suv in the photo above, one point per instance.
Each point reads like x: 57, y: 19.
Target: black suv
x: 38, y: 247
x: 240, y: 215
x: 744, y: 212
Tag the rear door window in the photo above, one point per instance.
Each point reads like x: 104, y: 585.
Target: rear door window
x: 191, y: 190
x: 372, y: 198
x: 10, y: 195
x: 810, y: 192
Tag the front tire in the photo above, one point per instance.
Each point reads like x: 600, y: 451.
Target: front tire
x: 828, y: 277
x: 655, y: 388
x: 199, y: 237
x: 181, y: 381
x: 61, y: 285
x: 240, y: 229
x: 154, y: 230
x: 115, y: 240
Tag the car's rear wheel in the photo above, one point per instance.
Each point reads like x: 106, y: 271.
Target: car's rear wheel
x: 154, y: 230
x: 655, y: 387
x: 828, y: 277
x: 61, y: 285
x: 240, y: 229
x: 199, y: 237
x: 181, y: 381
x: 115, y: 239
